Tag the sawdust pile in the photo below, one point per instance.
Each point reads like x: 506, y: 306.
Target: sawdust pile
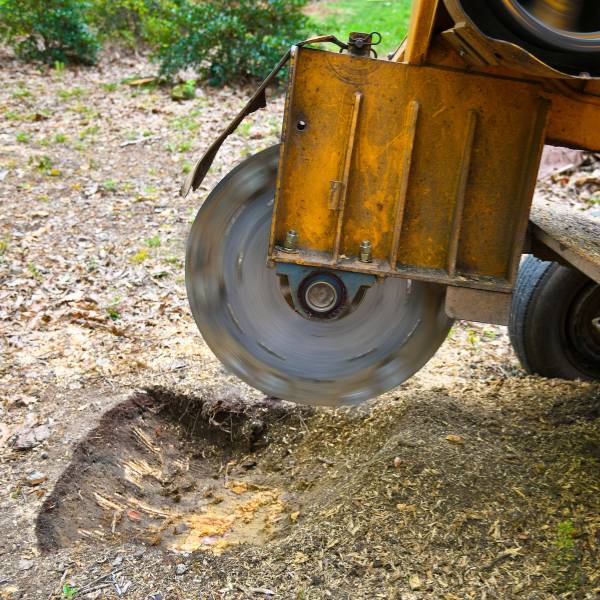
x: 420, y: 495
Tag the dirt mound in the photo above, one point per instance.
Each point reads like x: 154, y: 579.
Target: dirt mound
x: 425, y: 494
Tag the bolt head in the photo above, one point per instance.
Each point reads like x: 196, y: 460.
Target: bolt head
x: 365, y: 253
x: 291, y: 241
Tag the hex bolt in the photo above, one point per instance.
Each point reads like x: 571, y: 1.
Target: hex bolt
x: 365, y: 253
x: 291, y: 241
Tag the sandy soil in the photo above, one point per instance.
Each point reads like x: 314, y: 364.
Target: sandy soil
x: 132, y: 464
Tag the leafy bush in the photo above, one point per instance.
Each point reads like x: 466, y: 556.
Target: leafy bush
x: 48, y: 30
x: 226, y: 40
x: 124, y: 19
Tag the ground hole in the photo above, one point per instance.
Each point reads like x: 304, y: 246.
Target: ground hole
x: 174, y: 471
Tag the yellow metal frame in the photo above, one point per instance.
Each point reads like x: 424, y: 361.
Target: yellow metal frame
x: 431, y: 156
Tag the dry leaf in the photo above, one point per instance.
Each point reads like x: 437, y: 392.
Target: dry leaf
x: 455, y: 439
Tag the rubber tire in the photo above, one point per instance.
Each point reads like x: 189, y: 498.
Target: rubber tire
x: 543, y: 296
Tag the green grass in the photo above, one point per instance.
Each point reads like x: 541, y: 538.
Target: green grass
x: 110, y: 87
x: 153, y: 242
x: 388, y: 17
x: 68, y: 591
x: 110, y: 185
x: 75, y: 92
x: 89, y: 131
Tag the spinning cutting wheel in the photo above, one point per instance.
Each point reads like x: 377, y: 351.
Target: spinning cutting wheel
x: 327, y: 340
x: 562, y: 33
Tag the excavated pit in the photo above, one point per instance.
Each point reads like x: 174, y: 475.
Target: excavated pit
x: 178, y: 472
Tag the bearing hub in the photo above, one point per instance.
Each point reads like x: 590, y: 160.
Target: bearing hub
x: 322, y: 294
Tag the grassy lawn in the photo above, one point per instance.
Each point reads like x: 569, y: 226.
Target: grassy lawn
x: 389, y: 17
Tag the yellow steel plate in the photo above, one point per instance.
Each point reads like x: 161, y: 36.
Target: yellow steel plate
x: 447, y: 158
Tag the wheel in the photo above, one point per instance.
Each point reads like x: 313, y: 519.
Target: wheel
x: 319, y: 356
x: 563, y: 34
x: 554, y: 324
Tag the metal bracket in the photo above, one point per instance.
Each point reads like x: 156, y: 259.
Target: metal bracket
x: 481, y: 306
x: 296, y: 274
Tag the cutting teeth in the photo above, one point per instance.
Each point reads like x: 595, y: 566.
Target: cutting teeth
x: 272, y: 352
x: 363, y: 354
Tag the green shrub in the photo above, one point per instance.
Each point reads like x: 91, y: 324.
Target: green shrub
x: 49, y: 30
x: 124, y: 19
x: 226, y: 40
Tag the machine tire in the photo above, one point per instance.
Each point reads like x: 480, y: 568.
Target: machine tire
x: 550, y: 325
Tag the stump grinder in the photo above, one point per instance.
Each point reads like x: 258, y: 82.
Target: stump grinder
x: 329, y: 269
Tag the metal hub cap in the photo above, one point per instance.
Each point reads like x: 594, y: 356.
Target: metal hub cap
x: 582, y: 330
x: 244, y: 317
x: 321, y: 296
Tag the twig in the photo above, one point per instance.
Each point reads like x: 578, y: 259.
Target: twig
x: 98, y: 580
x: 264, y: 591
x: 99, y: 586
x: 511, y: 553
x: 150, y: 138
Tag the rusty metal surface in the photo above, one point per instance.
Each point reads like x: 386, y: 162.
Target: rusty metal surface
x: 574, y: 119
x: 575, y: 237
x: 482, y: 306
x: 574, y: 104
x: 442, y: 168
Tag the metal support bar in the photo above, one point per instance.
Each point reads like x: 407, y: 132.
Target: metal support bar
x: 412, y: 116
x: 346, y: 175
x: 527, y: 183
x: 461, y: 188
x: 580, y: 262
x: 420, y: 29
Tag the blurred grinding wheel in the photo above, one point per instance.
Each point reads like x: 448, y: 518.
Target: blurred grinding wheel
x: 562, y: 33
x: 241, y: 309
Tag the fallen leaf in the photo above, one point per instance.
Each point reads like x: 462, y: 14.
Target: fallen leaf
x: 133, y: 515
x: 415, y: 583
x: 455, y: 439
